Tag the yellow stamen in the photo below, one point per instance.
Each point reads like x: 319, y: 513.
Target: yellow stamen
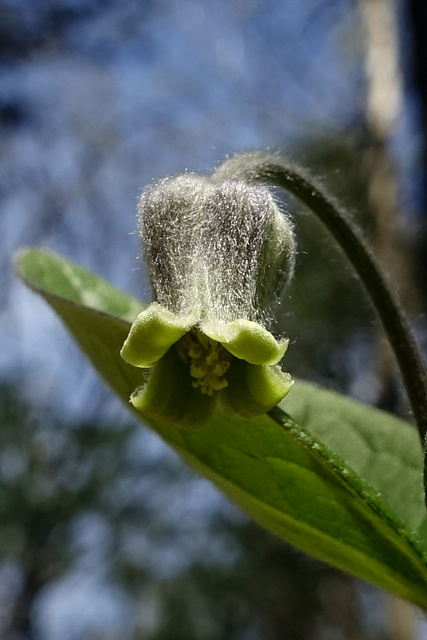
x: 208, y: 361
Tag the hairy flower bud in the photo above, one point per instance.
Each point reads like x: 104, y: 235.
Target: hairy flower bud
x: 218, y: 255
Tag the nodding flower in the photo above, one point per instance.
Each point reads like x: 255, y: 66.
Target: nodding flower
x: 218, y: 255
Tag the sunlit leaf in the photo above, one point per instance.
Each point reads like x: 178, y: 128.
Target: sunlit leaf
x: 338, y: 480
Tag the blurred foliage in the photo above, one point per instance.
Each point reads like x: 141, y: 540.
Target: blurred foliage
x: 48, y: 477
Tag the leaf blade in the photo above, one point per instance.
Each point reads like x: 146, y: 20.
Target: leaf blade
x: 292, y: 480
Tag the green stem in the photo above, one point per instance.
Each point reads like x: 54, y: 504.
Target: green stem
x: 261, y: 167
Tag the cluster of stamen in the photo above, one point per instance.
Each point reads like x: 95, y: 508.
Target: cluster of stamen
x: 208, y: 361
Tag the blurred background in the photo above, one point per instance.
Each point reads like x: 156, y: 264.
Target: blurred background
x: 104, y: 534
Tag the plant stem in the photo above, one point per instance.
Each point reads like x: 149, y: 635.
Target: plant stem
x: 262, y: 167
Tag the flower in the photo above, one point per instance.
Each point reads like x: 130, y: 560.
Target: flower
x: 218, y: 255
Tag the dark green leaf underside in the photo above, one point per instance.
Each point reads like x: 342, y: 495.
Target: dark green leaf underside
x: 339, y: 480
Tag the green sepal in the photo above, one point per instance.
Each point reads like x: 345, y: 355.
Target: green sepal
x: 153, y: 332
x: 247, y: 340
x: 169, y: 396
x: 254, y: 389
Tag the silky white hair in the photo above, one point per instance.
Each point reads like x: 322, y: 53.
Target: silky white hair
x: 219, y: 250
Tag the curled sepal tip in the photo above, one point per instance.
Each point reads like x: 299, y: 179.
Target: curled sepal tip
x: 248, y: 341
x: 153, y: 332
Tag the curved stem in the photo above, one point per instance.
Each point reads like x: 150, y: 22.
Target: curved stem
x: 261, y: 167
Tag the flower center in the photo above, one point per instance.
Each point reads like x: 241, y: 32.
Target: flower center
x: 208, y: 360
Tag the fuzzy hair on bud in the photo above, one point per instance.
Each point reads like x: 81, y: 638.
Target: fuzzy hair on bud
x: 169, y: 220
x: 220, y: 251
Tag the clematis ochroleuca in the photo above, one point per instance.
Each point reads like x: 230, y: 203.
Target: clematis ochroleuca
x: 218, y: 255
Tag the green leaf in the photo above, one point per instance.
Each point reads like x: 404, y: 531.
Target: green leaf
x: 96, y: 314
x: 338, y: 480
